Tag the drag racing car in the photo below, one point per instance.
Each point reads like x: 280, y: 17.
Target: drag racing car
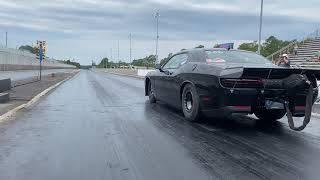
x: 219, y: 82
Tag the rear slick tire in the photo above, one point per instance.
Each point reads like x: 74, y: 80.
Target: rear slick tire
x: 152, y: 98
x: 190, y: 104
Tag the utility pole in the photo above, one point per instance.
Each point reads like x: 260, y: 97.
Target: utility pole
x: 118, y: 56
x: 260, y: 28
x: 6, y: 39
x: 130, y: 48
x: 110, y: 54
x: 157, y: 38
x: 107, y: 61
x: 118, y: 52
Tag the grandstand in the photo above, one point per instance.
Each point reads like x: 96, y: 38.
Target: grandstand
x: 304, y: 56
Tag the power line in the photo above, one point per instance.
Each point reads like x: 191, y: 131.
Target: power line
x: 6, y: 39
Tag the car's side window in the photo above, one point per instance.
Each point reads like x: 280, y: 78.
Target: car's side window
x: 176, y: 61
x: 183, y: 59
x: 170, y: 63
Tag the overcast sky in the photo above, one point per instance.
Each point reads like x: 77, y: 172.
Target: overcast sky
x: 87, y: 29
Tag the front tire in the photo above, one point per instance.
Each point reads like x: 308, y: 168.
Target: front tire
x: 152, y: 98
x: 190, y: 104
x: 269, y: 114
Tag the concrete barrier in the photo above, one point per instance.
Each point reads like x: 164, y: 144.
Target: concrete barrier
x: 13, y: 59
x: 5, y: 85
x: 4, y: 97
x: 144, y: 72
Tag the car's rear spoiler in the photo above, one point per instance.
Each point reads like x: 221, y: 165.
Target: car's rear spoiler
x: 272, y: 73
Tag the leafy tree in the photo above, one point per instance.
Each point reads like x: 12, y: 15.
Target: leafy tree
x: 137, y: 62
x: 166, y: 59
x: 148, y: 61
x: 28, y: 48
x: 121, y: 63
x: 253, y: 46
x: 112, y: 64
x: 200, y: 46
x: 271, y: 45
x: 71, y: 63
x: 151, y: 61
x: 104, y: 63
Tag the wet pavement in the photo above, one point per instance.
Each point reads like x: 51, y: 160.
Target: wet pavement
x: 100, y: 126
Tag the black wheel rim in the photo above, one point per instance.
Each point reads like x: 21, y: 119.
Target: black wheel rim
x: 188, y: 101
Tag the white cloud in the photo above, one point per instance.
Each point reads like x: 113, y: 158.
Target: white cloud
x: 87, y: 29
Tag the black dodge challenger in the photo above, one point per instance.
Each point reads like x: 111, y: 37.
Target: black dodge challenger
x: 219, y: 82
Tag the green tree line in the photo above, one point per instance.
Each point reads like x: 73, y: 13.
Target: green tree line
x: 148, y: 61
x: 105, y: 63
x: 28, y: 48
x: 271, y: 45
x: 71, y: 63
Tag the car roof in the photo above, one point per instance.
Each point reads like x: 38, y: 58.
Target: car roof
x: 210, y: 49
x: 198, y: 53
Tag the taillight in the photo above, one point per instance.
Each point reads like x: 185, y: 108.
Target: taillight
x: 242, y: 83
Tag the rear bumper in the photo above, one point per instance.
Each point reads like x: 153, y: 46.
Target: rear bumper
x: 223, y: 102
x: 226, y: 111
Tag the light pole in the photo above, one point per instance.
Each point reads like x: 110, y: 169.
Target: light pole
x: 6, y: 39
x: 118, y: 53
x: 260, y: 28
x: 110, y: 55
x: 157, y: 15
x: 130, y: 47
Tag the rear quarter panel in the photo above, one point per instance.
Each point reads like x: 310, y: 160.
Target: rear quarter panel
x: 204, y: 77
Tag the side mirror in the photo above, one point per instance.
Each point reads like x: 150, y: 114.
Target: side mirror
x: 158, y: 66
